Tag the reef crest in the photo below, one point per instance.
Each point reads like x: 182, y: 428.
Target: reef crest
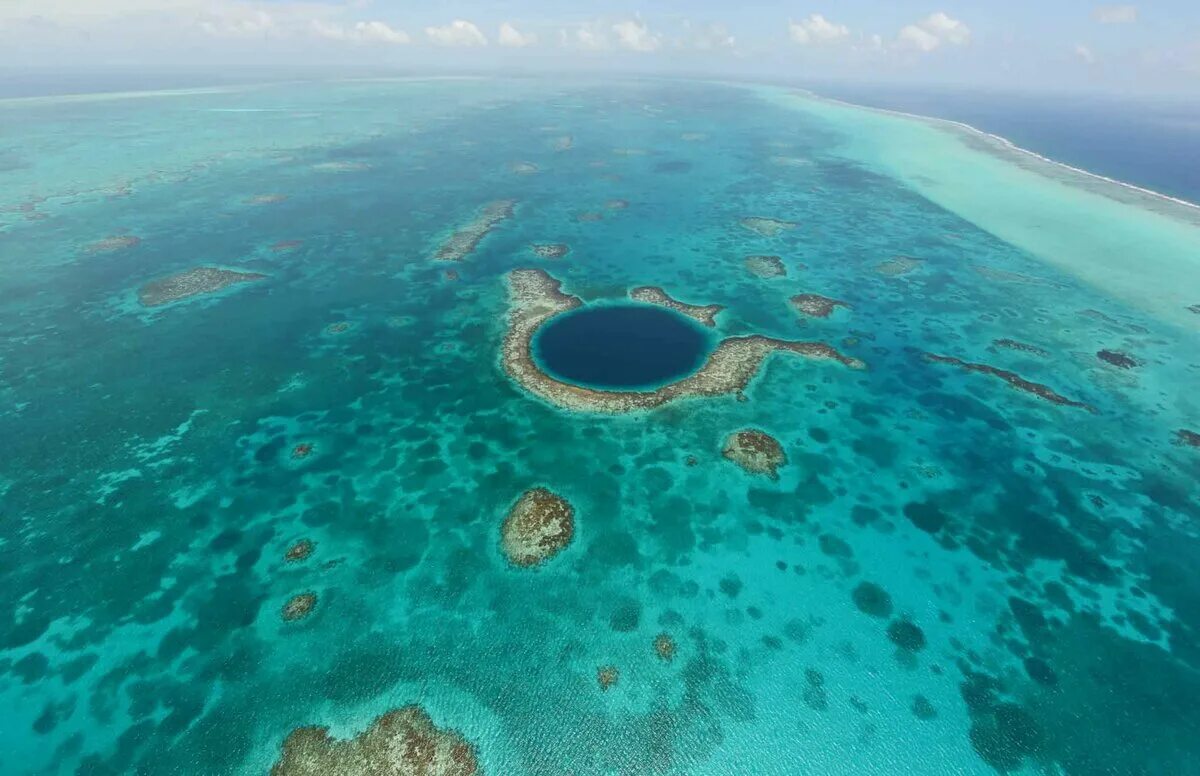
x: 704, y: 314
x: 1013, y: 379
x: 465, y: 240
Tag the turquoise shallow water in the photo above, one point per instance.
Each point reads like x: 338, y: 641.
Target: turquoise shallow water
x: 149, y: 491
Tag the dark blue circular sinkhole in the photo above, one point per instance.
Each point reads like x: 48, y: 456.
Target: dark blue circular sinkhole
x: 621, y: 346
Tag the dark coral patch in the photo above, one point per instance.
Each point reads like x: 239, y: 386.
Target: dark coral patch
x: 925, y: 515
x: 1010, y: 344
x: 607, y: 676
x: 664, y: 646
x: 922, y: 709
x: 1006, y: 736
x: 1040, y: 671
x: 907, y: 635
x: 873, y: 600
x: 1013, y: 379
x: 1118, y: 359
x: 1188, y: 438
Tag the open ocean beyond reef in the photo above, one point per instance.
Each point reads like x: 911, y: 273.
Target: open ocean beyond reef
x: 981, y: 556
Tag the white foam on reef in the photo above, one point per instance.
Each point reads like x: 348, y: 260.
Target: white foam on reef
x: 1138, y: 247
x: 1008, y: 144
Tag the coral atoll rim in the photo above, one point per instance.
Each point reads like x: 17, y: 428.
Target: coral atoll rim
x: 535, y: 297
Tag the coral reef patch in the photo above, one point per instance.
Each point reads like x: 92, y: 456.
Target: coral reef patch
x: 815, y: 305
x: 664, y: 646
x: 898, y: 265
x: 1189, y: 438
x: 550, y: 250
x: 402, y: 742
x: 465, y: 240
x: 112, y: 244
x: 535, y: 297
x: 1117, y: 358
x: 299, y: 551
x: 766, y: 266
x: 299, y: 606
x: 538, y: 526
x: 607, y: 676
x: 767, y: 227
x: 194, y: 282
x: 1022, y: 347
x: 704, y: 314
x: 1013, y: 379
x: 755, y: 451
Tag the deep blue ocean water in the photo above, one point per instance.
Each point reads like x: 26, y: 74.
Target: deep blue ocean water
x: 950, y: 574
x: 1149, y: 142
x: 621, y: 346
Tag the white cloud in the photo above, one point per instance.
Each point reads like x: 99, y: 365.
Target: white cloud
x: 456, y: 33
x: 634, y: 35
x: 362, y: 32
x: 1085, y: 54
x: 587, y: 37
x: 1116, y: 14
x: 934, y: 31
x: 511, y: 37
x: 707, y: 37
x: 241, y: 24
x: 816, y: 29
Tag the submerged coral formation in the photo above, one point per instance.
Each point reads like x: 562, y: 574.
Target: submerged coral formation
x: 766, y: 266
x: 755, y: 451
x: 606, y: 676
x: 116, y: 243
x: 538, y: 526
x: 402, y: 742
x: 535, y: 297
x: 465, y: 240
x: 1118, y: 359
x: 266, y: 199
x: 194, y: 282
x: 1010, y: 344
x: 664, y: 646
x: 299, y: 606
x: 767, y: 227
x: 1189, y: 438
x: 550, y: 250
x: 898, y: 265
x: 299, y: 551
x: 815, y: 305
x: 704, y: 314
x: 1013, y: 379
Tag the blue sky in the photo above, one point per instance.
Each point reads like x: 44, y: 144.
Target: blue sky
x: 1020, y: 44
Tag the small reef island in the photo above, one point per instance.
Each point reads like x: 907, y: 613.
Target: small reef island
x: 402, y: 742
x: 535, y: 298
x: 194, y: 282
x: 538, y: 527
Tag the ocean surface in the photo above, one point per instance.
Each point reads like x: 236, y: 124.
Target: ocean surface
x: 979, y: 557
x: 1152, y: 142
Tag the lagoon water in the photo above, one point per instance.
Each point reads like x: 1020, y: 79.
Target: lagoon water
x: 951, y: 574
